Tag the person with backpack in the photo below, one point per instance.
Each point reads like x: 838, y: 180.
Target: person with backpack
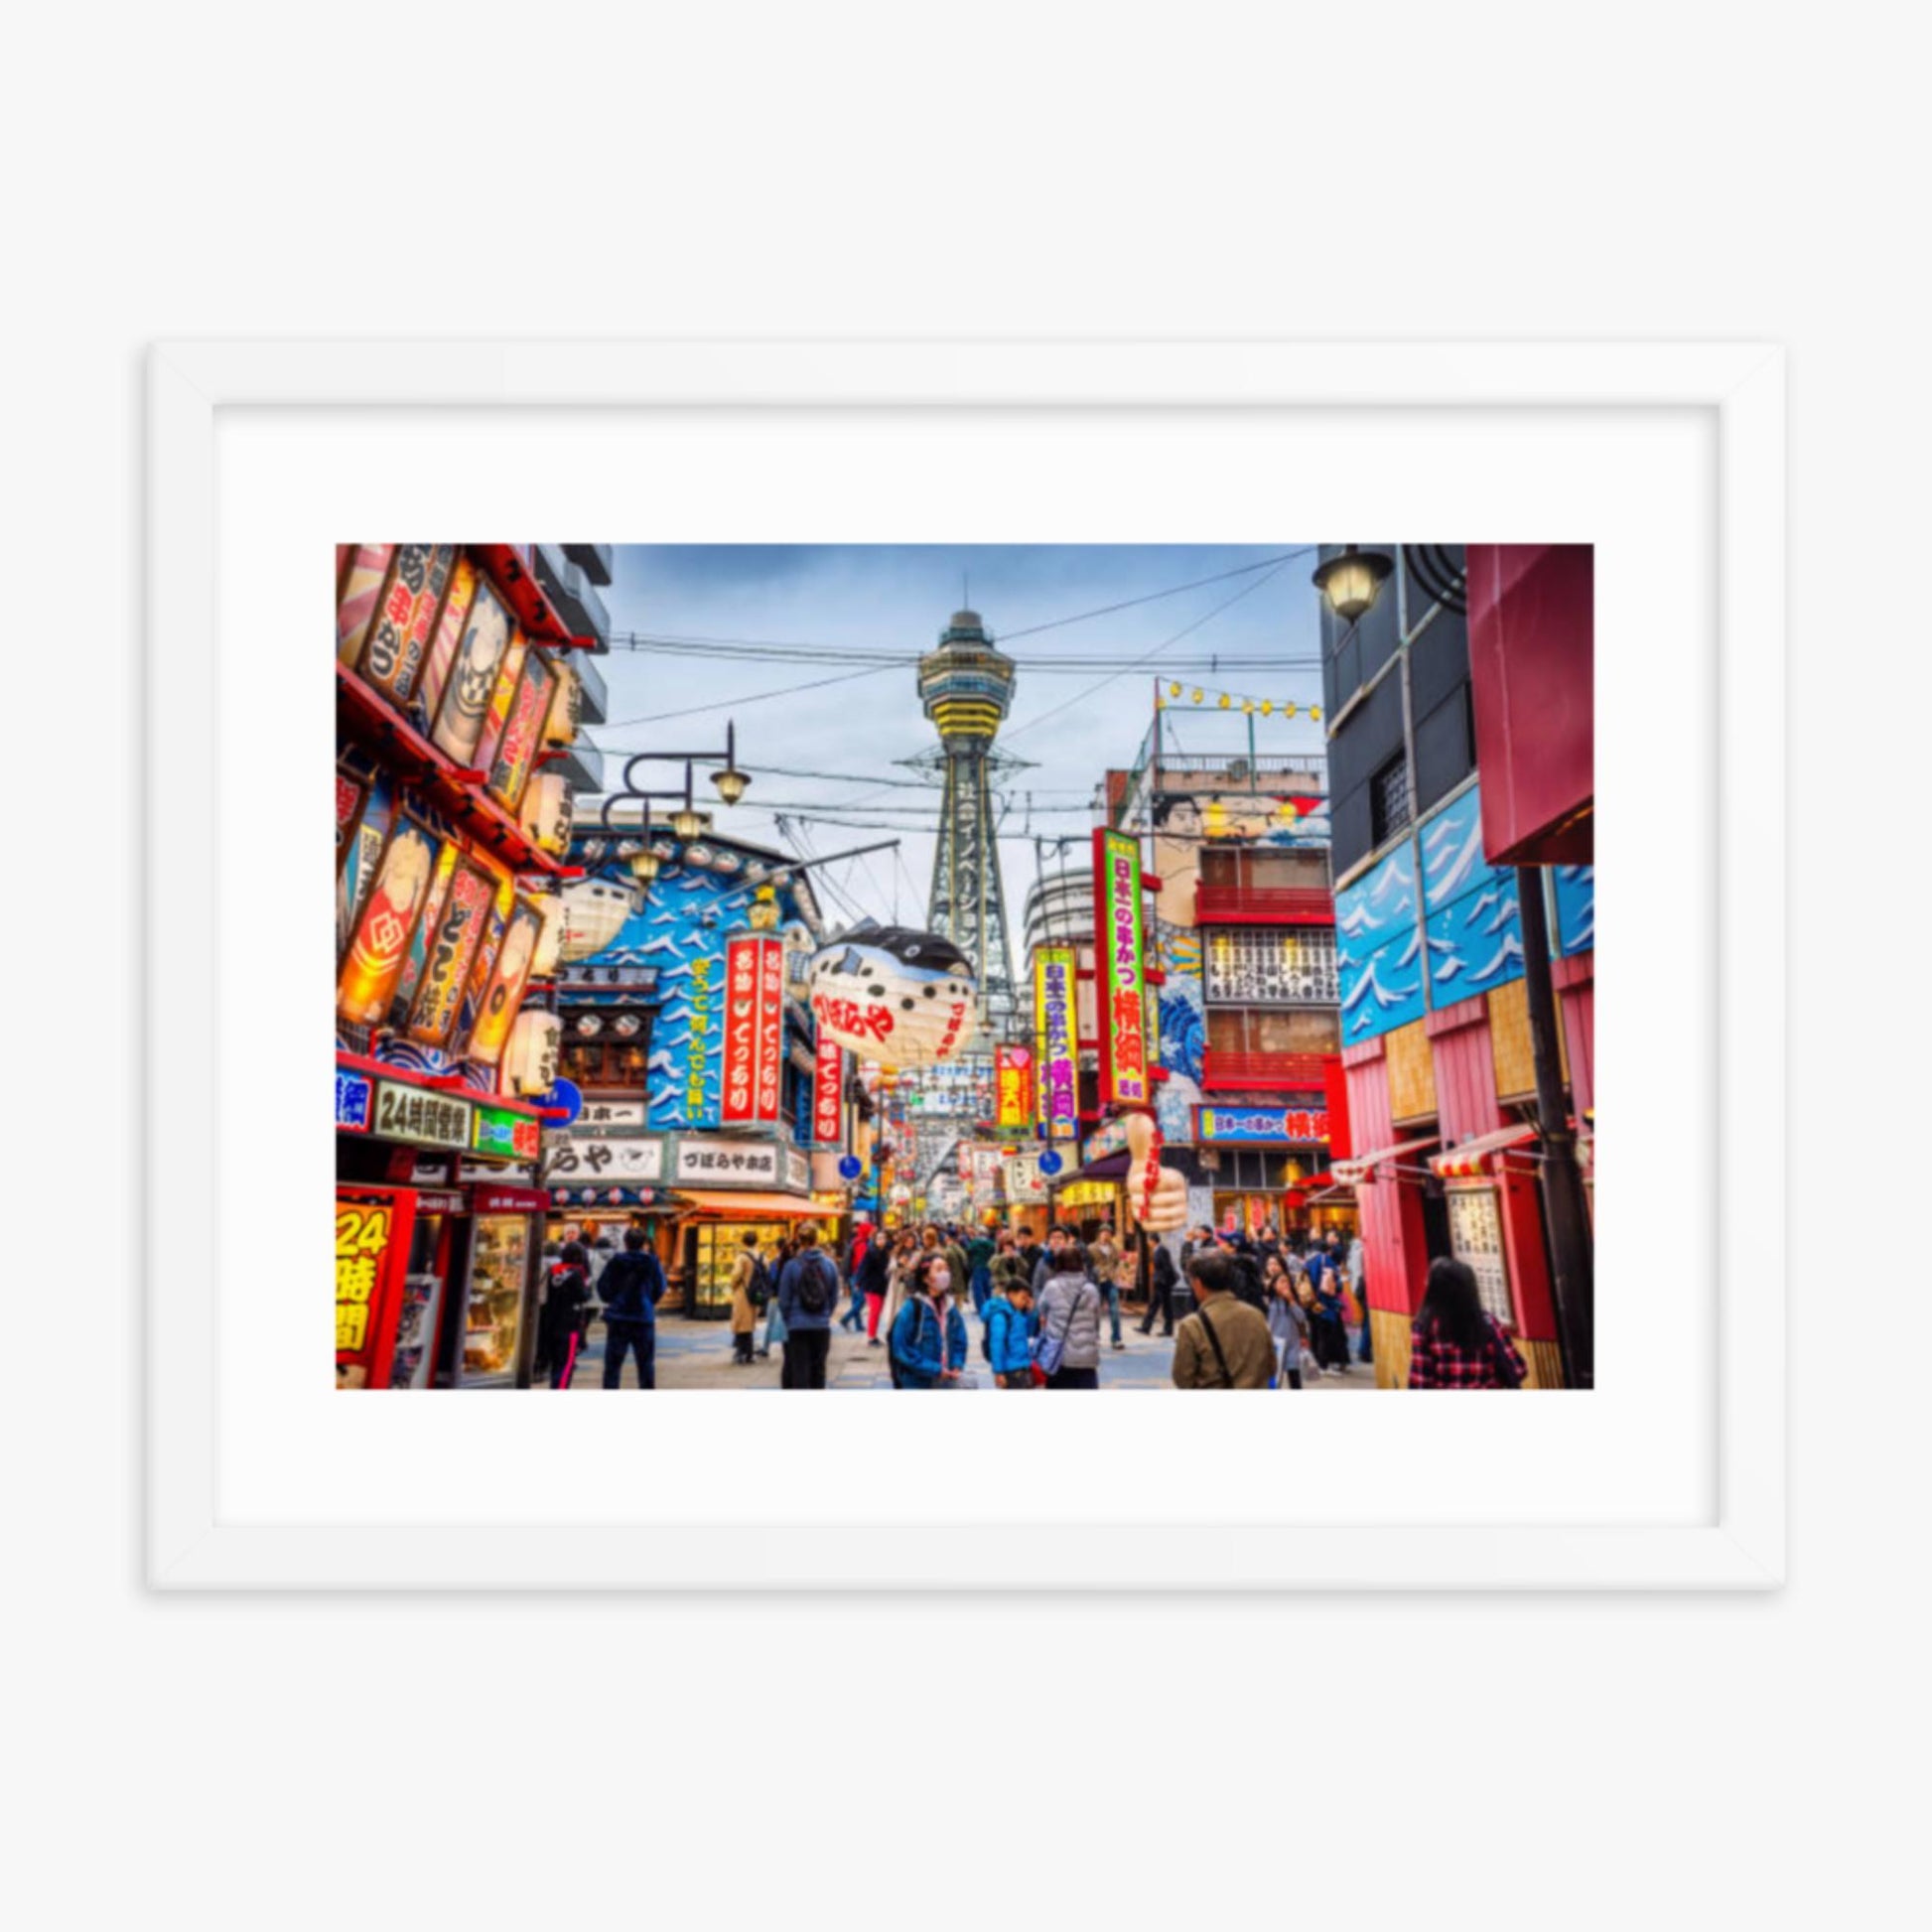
x: 630, y: 1288
x: 1067, y: 1330
x: 1007, y: 1338
x: 750, y: 1289
x: 808, y: 1292
x: 1224, y: 1343
x: 1456, y: 1343
x: 929, y: 1337
x: 561, y: 1326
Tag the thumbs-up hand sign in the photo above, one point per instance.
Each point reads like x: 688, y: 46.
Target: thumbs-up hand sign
x: 1157, y: 1195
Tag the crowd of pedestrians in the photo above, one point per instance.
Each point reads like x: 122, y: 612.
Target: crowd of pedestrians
x: 1245, y: 1311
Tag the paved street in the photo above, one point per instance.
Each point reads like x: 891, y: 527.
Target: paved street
x: 698, y: 1355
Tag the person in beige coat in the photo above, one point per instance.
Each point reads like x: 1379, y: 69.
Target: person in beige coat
x: 745, y: 1317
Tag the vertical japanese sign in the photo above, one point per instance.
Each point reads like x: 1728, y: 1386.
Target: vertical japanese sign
x: 372, y: 1246
x: 753, y: 1031
x: 1013, y: 1076
x: 1058, y: 1106
x: 388, y: 921
x: 828, y: 1091
x: 771, y: 1029
x: 1120, y: 949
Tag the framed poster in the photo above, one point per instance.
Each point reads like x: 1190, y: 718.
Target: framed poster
x: 1667, y: 460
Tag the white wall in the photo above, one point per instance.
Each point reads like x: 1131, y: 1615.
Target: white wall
x: 1480, y: 170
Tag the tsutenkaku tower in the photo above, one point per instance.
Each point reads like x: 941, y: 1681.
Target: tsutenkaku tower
x: 966, y: 686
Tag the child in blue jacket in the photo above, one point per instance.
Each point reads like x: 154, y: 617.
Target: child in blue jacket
x: 929, y: 1337
x: 1010, y: 1334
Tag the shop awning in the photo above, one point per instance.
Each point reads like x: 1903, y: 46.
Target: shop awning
x: 740, y: 1204
x: 1110, y: 1167
x: 1352, y: 1173
x: 1472, y: 1157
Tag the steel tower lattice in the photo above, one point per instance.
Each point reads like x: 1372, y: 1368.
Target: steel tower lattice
x: 966, y: 686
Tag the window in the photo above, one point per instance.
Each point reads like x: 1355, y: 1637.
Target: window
x: 1389, y: 800
x: 1271, y: 966
x: 1284, y: 1031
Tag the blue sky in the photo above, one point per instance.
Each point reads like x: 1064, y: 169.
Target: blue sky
x: 899, y: 598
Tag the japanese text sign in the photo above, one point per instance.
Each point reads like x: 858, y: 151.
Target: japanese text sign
x: 1057, y: 1106
x: 1120, y: 958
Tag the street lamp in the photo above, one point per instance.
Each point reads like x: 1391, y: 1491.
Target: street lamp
x: 731, y: 783
x: 645, y: 866
x: 1353, y: 581
x: 686, y: 823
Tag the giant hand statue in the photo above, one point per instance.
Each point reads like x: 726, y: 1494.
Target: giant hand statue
x: 1156, y: 1196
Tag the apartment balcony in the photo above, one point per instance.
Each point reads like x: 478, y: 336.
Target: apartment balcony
x: 1263, y: 906
x: 1228, y: 1072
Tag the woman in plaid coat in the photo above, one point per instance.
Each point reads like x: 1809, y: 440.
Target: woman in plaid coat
x: 1456, y: 1344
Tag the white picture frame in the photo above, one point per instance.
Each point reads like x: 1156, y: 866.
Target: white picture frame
x: 191, y: 1544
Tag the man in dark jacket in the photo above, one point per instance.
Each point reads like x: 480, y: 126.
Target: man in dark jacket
x: 1166, y: 1278
x: 630, y: 1287
x: 808, y: 1292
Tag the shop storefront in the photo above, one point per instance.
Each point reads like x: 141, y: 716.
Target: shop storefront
x: 1265, y: 1165
x: 437, y: 1237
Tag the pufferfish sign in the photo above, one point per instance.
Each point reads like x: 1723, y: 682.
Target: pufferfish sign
x: 895, y: 996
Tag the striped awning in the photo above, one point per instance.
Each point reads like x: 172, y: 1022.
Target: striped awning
x: 1354, y: 1172
x: 1472, y: 1157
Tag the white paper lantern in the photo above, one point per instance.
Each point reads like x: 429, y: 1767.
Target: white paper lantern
x: 550, y: 940
x: 895, y: 996
x: 546, y: 811
x: 530, y: 1061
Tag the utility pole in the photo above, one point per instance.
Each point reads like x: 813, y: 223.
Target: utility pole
x: 1572, y: 1261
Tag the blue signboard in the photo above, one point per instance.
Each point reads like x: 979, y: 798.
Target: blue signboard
x: 353, y: 1093
x: 851, y: 1167
x: 1051, y: 1161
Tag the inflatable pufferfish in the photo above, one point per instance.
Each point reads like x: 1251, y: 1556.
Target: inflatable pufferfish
x: 896, y: 996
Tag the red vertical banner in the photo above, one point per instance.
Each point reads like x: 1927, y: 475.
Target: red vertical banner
x: 1012, y: 1074
x: 755, y: 1008
x: 740, y: 1032
x: 828, y: 1092
x: 771, y: 1029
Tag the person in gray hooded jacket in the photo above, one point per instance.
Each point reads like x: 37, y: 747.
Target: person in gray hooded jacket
x: 1070, y: 1309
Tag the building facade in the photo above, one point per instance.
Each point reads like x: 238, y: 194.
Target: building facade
x: 1433, y: 813
x: 707, y: 1105
x: 461, y: 683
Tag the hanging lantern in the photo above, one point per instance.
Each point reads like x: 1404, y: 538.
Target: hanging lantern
x: 550, y: 942
x: 901, y: 997
x: 1198, y: 694
x: 687, y: 823
x: 1267, y: 707
x: 545, y: 813
x: 566, y: 712
x: 530, y: 1061
x: 644, y: 867
x: 1247, y: 704
x: 731, y: 783
x: 1288, y: 711
x: 1224, y: 700
x: 1173, y: 690
x: 1352, y: 581
x: 1314, y: 714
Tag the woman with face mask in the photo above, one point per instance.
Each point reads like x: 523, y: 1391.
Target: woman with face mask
x: 928, y: 1337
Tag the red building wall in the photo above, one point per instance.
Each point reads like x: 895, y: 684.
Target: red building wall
x: 1391, y: 1208
x: 1532, y: 660
x: 1575, y: 980
x: 1465, y: 1070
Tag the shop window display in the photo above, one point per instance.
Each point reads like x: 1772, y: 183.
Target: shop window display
x: 499, y: 1266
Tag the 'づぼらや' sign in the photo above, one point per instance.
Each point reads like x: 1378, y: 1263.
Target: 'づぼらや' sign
x: 1120, y: 949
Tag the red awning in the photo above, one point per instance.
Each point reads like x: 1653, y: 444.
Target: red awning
x: 1472, y: 1157
x: 1361, y: 1167
x: 734, y: 1205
